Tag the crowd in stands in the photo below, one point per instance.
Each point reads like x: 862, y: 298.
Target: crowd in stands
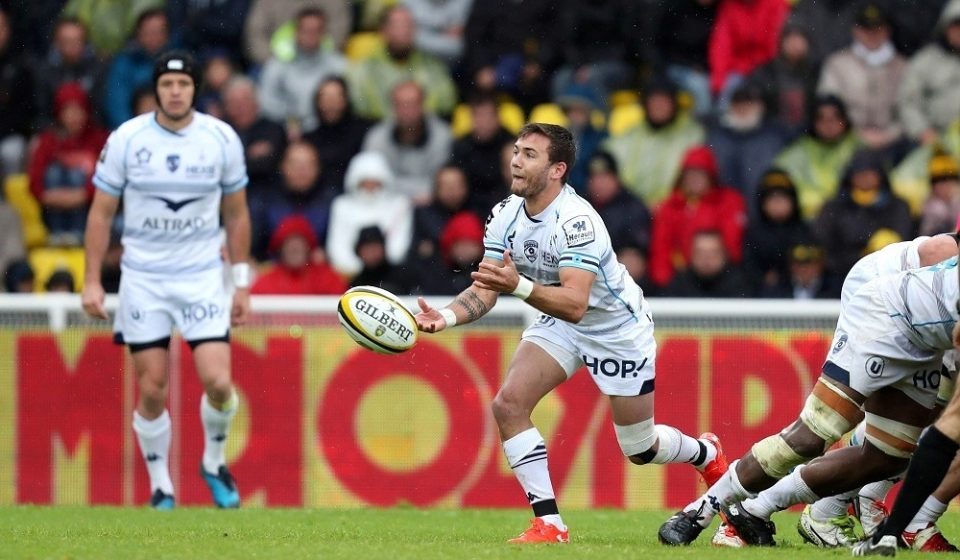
x: 734, y: 148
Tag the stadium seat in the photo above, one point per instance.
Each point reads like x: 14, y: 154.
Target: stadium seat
x: 623, y: 118
x: 47, y: 260
x: 623, y: 97
x: 16, y: 190
x: 361, y: 45
x: 549, y: 113
x: 511, y: 118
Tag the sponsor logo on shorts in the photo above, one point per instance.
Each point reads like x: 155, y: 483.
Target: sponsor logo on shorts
x: 136, y: 314
x: 923, y: 379
x: 545, y: 320
x: 201, y: 312
x: 841, y: 342
x: 874, y: 366
x: 609, y: 367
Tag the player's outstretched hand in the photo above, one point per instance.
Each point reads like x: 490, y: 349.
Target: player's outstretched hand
x: 499, y: 278
x: 429, y: 319
x: 92, y: 299
x: 240, y: 311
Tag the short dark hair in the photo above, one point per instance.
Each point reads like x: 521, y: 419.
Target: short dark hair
x: 483, y: 98
x: 562, y: 147
x: 311, y: 11
x: 147, y: 14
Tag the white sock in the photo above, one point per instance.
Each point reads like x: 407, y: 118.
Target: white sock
x: 832, y: 506
x: 788, y: 491
x: 527, y: 455
x: 674, y: 446
x: 154, y: 439
x: 877, y: 491
x: 726, y: 491
x: 930, y: 512
x: 216, y: 426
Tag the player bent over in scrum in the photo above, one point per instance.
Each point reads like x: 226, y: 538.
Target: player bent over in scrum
x: 562, y: 250
x: 886, y: 360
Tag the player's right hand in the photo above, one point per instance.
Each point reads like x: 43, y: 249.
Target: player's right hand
x: 92, y: 299
x: 429, y: 319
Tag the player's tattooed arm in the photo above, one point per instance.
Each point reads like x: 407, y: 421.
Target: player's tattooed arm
x: 473, y: 305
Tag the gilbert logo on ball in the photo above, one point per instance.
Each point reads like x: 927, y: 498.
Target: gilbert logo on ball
x: 377, y: 320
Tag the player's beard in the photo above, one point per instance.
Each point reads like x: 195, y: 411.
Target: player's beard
x: 533, y: 186
x: 178, y: 116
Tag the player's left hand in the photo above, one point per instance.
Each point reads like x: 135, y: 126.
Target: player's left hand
x: 240, y: 311
x: 502, y: 279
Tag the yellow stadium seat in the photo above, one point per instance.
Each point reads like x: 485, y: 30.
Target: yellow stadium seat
x: 549, y: 113
x: 623, y: 118
x: 461, y: 122
x: 510, y: 115
x: 47, y: 260
x: 362, y: 45
x: 623, y: 97
x: 16, y: 189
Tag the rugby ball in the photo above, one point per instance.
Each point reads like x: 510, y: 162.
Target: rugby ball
x: 377, y: 320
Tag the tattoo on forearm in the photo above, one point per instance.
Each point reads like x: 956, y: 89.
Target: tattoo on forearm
x: 472, y: 304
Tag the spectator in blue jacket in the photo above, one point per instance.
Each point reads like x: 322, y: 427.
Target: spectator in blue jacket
x: 133, y: 67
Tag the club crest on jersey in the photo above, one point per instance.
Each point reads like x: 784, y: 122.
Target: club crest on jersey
x: 143, y: 156
x: 173, y: 162
x: 530, y: 249
x: 579, y: 231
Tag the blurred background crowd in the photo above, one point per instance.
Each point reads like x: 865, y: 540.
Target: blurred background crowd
x: 734, y: 148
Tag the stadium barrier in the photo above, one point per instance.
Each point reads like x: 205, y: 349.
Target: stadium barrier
x: 325, y: 423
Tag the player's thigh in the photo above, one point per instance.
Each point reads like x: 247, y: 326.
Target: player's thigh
x: 533, y: 372
x: 949, y: 421
x: 895, y: 419
x: 627, y: 411
x: 151, y: 366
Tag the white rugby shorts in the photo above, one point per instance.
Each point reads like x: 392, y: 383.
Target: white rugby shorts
x: 869, y: 352
x: 151, y: 305
x: 621, y: 362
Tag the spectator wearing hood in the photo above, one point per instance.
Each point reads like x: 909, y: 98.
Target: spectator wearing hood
x: 339, y: 133
x: 369, y: 199
x: 414, y: 142
x: 866, y: 76
x: 133, y: 67
x: 264, y: 142
x: 929, y: 97
x: 295, y: 272
x: 745, y: 141
x: 807, y: 277
x: 710, y: 273
x: 478, y: 152
x: 778, y: 226
x: 298, y: 192
x: 461, y: 250
x: 649, y: 154
x: 816, y: 160
x: 62, y: 165
x: 287, y: 88
x: 70, y: 59
x: 789, y: 81
x: 578, y: 104
x: 626, y: 216
x: 376, y: 268
x: 698, y: 202
x: 864, y: 206
x: 744, y: 37
x: 942, y: 207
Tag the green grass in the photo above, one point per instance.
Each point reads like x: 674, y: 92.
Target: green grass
x: 130, y: 533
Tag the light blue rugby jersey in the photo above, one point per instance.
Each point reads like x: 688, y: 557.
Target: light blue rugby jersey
x: 171, y: 184
x: 923, y: 302
x: 568, y: 233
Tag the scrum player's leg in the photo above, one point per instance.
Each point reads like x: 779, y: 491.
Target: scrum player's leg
x: 540, y: 364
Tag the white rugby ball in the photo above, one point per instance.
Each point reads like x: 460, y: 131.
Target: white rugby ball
x: 377, y: 320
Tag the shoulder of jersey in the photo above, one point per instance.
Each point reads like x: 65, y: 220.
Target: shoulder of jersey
x: 219, y: 127
x: 133, y: 125
x: 576, y: 205
x: 499, y: 207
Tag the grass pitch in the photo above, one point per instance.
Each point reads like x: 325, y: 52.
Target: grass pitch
x: 131, y: 533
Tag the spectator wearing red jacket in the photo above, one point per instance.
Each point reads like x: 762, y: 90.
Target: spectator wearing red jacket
x: 697, y: 203
x: 62, y: 165
x: 745, y: 36
x: 293, y: 243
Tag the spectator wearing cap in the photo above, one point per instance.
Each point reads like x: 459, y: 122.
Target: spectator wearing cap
x: 415, y: 142
x: 745, y: 140
x: 18, y: 277
x: 626, y: 216
x: 680, y: 32
x: 579, y: 104
x: 789, y: 81
x: 929, y: 97
x: 816, y: 160
x: 864, y: 206
x: 451, y: 196
x: 649, y: 154
x: 778, y: 225
x: 867, y: 76
x: 744, y: 37
x: 296, y: 272
x: 372, y: 80
x: 133, y: 67
x: 369, y: 199
x: 288, y: 87
x: 264, y: 141
x: 339, y: 133
x: 376, y: 268
x: 942, y: 207
x: 62, y: 165
x: 461, y: 250
x: 698, y: 203
x: 807, y: 278
x: 710, y: 274
x: 478, y: 152
x: 70, y: 59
